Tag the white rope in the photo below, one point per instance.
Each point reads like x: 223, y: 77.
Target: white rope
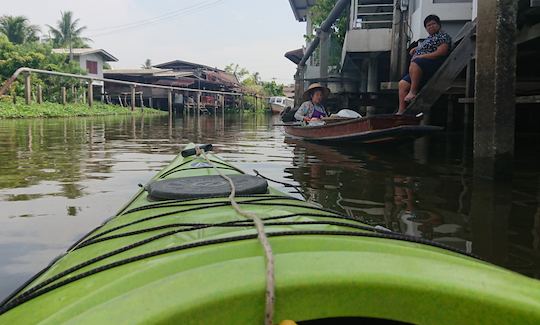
x: 263, y: 239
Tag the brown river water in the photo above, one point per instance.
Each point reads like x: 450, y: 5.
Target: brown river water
x: 60, y: 178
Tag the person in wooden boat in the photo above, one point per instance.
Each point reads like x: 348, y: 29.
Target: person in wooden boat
x: 427, y: 57
x: 312, y: 109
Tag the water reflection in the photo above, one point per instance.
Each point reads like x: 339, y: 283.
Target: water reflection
x: 59, y: 178
x: 427, y: 190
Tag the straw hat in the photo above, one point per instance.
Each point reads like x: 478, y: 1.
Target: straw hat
x: 313, y: 87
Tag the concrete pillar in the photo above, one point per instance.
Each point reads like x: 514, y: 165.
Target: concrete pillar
x: 395, y: 51
x: 494, y: 121
x: 151, y: 102
x: 27, y: 88
x: 170, y: 102
x: 39, y: 94
x: 372, y: 82
x: 324, y: 48
x: 133, y: 98
x: 63, y: 96
x: 490, y: 211
x: 90, y: 93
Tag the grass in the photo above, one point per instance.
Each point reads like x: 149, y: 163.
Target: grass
x: 8, y: 110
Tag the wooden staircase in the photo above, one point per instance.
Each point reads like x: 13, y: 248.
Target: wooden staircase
x: 463, y: 52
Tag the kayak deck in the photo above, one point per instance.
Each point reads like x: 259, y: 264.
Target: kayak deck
x: 196, y: 261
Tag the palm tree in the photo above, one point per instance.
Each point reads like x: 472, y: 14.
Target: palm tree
x: 68, y: 33
x: 18, y: 30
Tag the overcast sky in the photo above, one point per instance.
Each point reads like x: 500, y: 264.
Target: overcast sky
x: 252, y: 33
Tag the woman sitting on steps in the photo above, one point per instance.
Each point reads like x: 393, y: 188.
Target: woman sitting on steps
x: 426, y: 59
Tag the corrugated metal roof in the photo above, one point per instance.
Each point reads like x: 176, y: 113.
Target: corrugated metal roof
x: 300, y: 8
x: 85, y: 51
x: 184, y: 64
x: 151, y: 71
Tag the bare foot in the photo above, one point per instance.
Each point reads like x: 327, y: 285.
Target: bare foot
x: 410, y: 96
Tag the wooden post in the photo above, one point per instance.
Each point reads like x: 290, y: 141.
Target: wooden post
x: 450, y: 113
x: 494, y: 118
x: 170, y: 102
x: 324, y: 49
x: 73, y: 94
x: 133, y: 98
x: 372, y: 84
x: 27, y: 88
x: 299, y: 86
x: 141, y: 99
x: 469, y: 92
x: 39, y: 94
x: 90, y: 93
x: 198, y: 103
x: 120, y: 101
x: 151, y: 102
x: 223, y: 102
x: 63, y: 96
x: 396, y: 49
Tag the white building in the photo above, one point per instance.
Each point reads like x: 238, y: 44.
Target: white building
x: 453, y: 13
x: 90, y: 60
x: 368, y: 41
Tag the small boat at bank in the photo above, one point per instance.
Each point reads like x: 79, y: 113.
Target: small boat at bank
x: 369, y: 130
x: 178, y: 253
x: 279, y: 103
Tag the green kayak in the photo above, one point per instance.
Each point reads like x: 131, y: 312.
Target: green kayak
x: 178, y: 253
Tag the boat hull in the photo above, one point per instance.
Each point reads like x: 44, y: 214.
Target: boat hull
x: 368, y: 130
x: 175, y: 261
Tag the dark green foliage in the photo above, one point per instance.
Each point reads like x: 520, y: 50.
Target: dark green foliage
x: 319, y: 12
x: 47, y: 109
x: 38, y: 56
x: 18, y: 30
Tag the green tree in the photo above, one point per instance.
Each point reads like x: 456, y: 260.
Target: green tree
x: 18, y: 29
x: 273, y: 89
x: 38, y: 56
x: 235, y: 69
x: 319, y: 12
x: 67, y: 33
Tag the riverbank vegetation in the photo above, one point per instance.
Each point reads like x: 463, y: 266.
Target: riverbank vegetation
x: 9, y: 110
x: 20, y: 46
x: 256, y: 90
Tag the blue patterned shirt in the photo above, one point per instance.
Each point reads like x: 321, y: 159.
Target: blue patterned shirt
x: 430, y: 44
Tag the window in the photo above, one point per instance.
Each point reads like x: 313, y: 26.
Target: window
x: 91, y: 67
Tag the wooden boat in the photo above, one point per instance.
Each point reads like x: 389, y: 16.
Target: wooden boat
x: 373, y: 129
x: 279, y: 103
x: 178, y: 253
